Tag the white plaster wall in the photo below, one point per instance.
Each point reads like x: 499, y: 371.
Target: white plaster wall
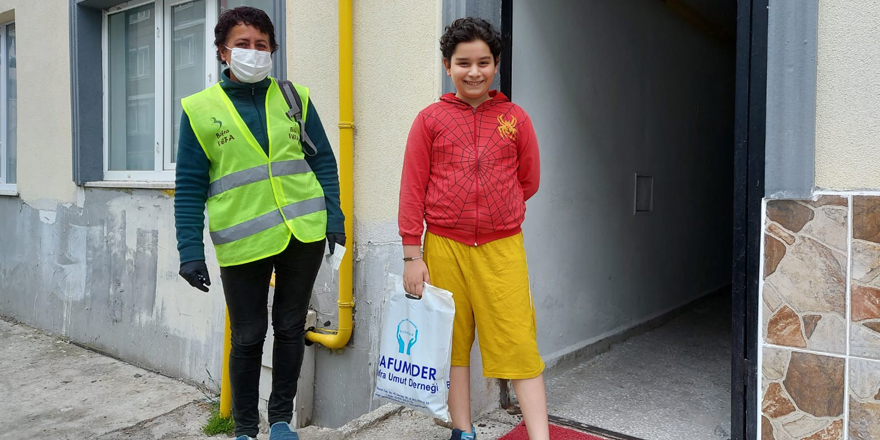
x: 614, y: 89
x: 848, y: 95
x: 44, y: 137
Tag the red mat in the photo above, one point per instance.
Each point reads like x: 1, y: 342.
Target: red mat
x: 556, y: 433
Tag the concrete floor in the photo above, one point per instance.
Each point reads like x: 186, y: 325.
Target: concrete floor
x: 53, y: 389
x: 672, y: 383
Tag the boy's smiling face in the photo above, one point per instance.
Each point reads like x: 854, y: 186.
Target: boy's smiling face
x: 472, y: 69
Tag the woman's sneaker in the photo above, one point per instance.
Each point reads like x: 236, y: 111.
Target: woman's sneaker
x: 282, y: 431
x: 458, y: 434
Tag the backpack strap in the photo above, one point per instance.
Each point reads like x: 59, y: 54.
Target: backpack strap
x: 295, y: 113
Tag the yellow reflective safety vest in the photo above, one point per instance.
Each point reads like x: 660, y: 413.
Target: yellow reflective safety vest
x: 256, y: 202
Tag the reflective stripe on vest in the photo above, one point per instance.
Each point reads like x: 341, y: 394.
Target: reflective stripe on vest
x: 256, y: 174
x: 256, y: 201
x: 267, y: 221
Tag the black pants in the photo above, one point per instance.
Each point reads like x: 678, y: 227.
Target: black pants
x: 247, y: 292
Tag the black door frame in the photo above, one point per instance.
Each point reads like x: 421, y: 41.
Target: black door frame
x: 749, y: 156
x: 748, y: 147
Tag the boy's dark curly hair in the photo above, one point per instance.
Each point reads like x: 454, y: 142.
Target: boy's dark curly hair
x: 243, y: 15
x: 469, y: 29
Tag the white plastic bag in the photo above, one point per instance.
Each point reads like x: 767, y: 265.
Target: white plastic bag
x: 415, y: 350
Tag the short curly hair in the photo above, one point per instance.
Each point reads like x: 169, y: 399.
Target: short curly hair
x: 469, y: 29
x: 243, y: 15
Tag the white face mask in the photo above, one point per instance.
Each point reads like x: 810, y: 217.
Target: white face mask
x: 249, y: 65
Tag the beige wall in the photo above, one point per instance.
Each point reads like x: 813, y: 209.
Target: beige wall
x: 848, y: 95
x: 313, y: 57
x: 396, y: 74
x: 397, y: 59
x: 44, y: 137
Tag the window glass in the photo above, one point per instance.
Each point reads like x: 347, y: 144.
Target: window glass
x: 132, y: 89
x: 11, y: 105
x: 188, y: 58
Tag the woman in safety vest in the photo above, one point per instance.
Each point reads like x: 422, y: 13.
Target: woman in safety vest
x: 269, y: 179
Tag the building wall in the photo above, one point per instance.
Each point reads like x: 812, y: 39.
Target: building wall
x: 43, y: 69
x: 395, y: 76
x: 820, y: 290
x: 103, y: 272
x: 820, y: 317
x: 96, y: 265
x: 848, y: 95
x: 790, y: 148
x: 616, y: 89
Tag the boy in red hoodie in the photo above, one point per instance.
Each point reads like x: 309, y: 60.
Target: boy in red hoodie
x: 471, y: 163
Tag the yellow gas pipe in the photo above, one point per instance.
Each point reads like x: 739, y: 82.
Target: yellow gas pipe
x: 225, y: 384
x: 339, y: 338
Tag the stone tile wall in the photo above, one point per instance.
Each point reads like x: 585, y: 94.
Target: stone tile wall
x: 821, y: 319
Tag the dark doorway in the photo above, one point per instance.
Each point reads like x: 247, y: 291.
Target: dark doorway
x: 545, y: 51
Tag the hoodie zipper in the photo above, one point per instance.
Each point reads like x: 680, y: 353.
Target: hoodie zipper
x: 477, y: 157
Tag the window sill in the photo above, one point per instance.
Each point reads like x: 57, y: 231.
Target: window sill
x: 8, y: 191
x: 130, y: 184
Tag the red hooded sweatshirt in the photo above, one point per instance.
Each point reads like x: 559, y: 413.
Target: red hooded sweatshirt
x: 467, y: 171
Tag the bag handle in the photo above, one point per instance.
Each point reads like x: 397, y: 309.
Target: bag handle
x: 295, y: 113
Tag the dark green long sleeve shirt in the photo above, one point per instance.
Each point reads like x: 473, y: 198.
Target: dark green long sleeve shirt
x: 191, y: 189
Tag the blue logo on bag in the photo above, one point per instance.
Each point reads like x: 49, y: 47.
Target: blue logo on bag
x: 407, y: 335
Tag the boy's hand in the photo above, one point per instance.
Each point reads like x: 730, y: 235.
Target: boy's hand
x: 415, y: 275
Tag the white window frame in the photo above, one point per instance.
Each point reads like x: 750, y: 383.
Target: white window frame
x: 163, y: 66
x: 212, y: 66
x: 5, y: 188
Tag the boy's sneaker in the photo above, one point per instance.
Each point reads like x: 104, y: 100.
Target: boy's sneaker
x: 244, y: 437
x: 458, y: 434
x: 282, y: 431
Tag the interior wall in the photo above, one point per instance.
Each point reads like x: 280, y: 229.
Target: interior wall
x: 614, y: 89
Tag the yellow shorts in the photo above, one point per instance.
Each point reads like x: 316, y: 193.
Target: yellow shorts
x: 490, y: 286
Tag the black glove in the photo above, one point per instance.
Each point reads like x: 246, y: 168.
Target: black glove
x: 333, y: 238
x: 196, y: 274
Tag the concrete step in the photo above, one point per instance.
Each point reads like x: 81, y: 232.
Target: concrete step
x: 399, y: 423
